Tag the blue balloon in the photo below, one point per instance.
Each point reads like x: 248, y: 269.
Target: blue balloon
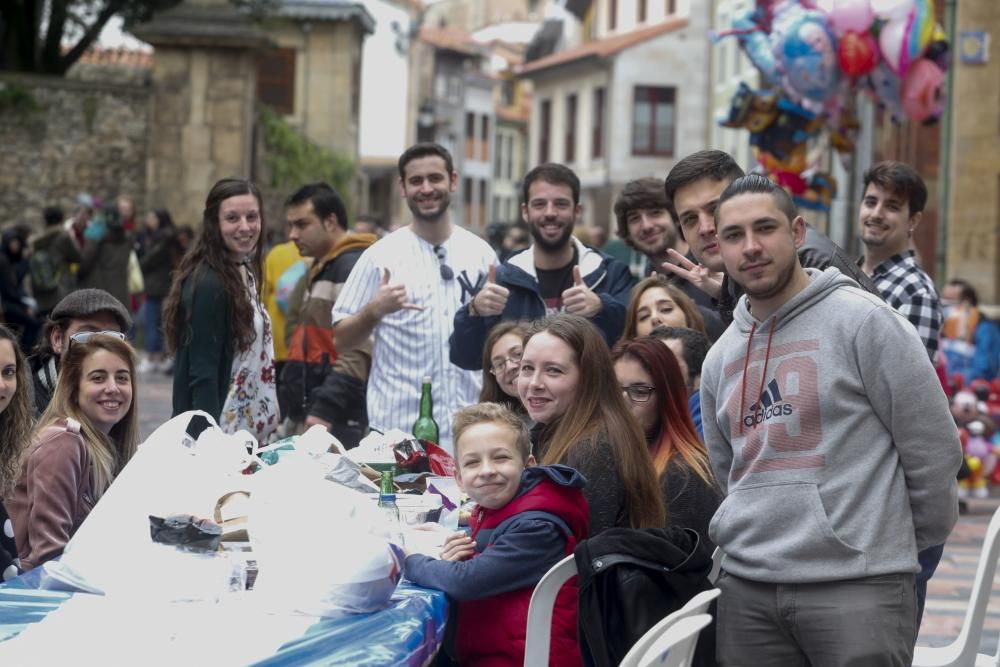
x: 807, y: 51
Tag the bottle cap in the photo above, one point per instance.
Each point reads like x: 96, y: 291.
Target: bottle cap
x: 427, y: 379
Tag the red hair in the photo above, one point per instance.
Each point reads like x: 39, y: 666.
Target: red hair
x: 677, y: 434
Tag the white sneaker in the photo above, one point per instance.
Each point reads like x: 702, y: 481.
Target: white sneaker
x: 145, y: 366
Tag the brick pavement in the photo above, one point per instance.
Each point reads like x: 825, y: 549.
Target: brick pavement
x: 948, y: 591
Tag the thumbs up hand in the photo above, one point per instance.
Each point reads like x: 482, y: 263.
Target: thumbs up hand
x: 580, y: 299
x: 492, y: 298
x: 390, y: 298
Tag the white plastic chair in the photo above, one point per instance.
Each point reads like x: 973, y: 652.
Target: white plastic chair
x: 538, y: 638
x: 675, y: 647
x: 716, y: 565
x: 964, y: 651
x: 697, y: 605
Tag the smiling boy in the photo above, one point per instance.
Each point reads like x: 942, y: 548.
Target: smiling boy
x: 528, y: 519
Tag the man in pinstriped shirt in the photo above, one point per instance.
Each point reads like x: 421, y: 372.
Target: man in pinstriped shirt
x: 404, y: 292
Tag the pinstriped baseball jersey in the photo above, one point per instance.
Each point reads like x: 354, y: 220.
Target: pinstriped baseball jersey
x: 410, y: 344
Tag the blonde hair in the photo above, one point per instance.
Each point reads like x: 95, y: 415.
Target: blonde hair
x: 494, y: 413
x: 108, y: 452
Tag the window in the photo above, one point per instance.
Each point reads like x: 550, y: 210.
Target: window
x: 484, y: 144
x: 640, y: 11
x: 671, y: 7
x: 653, y: 121
x: 470, y: 135
x: 612, y: 14
x: 544, y: 126
x: 276, y: 79
x: 569, y: 149
x: 467, y: 194
x: 509, y: 173
x: 498, y: 156
x: 597, y: 125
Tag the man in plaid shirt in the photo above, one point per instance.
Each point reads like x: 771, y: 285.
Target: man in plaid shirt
x: 891, y: 209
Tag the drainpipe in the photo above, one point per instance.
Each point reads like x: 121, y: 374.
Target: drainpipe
x: 941, y: 261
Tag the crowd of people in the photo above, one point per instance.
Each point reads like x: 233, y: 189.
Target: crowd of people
x: 755, y: 389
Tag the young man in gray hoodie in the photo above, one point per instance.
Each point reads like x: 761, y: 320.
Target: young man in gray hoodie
x: 833, y: 440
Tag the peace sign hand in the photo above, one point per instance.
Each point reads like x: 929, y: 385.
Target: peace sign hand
x: 702, y: 277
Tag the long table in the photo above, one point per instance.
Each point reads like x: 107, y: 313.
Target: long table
x: 408, y: 632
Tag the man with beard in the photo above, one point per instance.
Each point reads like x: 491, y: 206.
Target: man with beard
x: 692, y: 188
x: 645, y: 223
x: 891, y: 208
x: 404, y: 292
x: 829, y: 499
x: 557, y: 273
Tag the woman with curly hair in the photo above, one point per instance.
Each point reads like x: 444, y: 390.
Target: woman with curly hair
x: 215, y: 322
x: 652, y: 382
x: 15, y: 424
x: 657, y: 303
x: 81, y: 442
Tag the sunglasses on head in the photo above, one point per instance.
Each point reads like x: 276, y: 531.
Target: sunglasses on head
x: 83, y: 337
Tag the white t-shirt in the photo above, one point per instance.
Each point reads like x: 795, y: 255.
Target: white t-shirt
x: 410, y: 344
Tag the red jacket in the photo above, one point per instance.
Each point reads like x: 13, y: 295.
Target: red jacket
x: 491, y: 631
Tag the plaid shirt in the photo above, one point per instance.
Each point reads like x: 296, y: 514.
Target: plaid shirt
x: 906, y: 287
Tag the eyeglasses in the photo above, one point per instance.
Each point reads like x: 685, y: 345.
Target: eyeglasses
x: 446, y: 272
x: 500, y: 365
x: 638, y: 393
x: 84, y: 337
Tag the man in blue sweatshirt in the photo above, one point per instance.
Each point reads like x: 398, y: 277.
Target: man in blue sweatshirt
x: 828, y: 499
x: 556, y: 274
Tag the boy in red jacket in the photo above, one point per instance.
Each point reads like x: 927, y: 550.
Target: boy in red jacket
x: 528, y: 519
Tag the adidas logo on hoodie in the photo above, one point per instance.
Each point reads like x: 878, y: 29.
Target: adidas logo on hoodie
x: 768, y: 406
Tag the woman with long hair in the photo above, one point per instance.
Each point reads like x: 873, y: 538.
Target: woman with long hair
x: 501, y: 361
x: 652, y: 381
x: 568, y: 386
x: 215, y: 322
x: 80, y: 444
x: 657, y: 303
x: 16, y: 413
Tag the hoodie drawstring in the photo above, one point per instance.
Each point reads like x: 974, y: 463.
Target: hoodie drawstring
x: 746, y: 364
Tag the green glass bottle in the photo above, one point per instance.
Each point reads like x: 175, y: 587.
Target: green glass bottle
x: 387, y: 495
x: 390, y: 510
x: 425, y: 428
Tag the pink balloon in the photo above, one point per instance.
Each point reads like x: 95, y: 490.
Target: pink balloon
x: 850, y: 16
x: 890, y: 43
x: 922, y: 91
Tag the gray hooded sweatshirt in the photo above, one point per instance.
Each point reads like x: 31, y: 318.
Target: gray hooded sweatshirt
x: 829, y: 431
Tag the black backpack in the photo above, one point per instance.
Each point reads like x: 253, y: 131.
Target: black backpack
x: 45, y: 275
x: 632, y: 579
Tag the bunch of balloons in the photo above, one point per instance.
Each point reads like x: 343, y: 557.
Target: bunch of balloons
x: 816, y: 54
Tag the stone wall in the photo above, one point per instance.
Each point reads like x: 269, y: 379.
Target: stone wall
x: 75, y: 136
